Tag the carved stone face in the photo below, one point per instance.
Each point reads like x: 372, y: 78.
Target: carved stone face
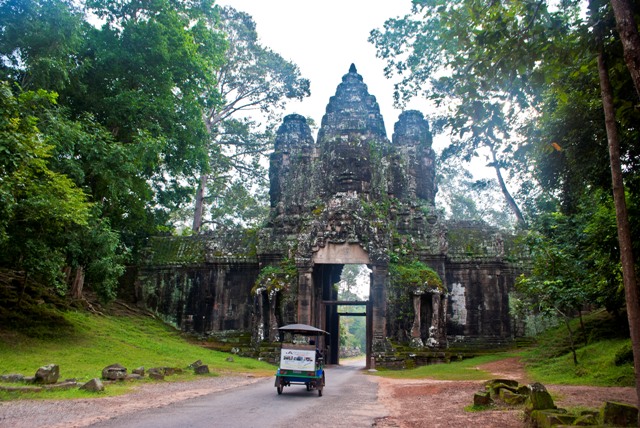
x: 351, y: 167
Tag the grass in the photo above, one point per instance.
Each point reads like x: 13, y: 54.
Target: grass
x: 84, y: 344
x: 595, y: 366
x: 550, y: 361
x: 466, y: 369
x: 604, y: 336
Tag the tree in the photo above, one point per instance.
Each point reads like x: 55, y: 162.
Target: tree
x: 631, y: 43
x: 480, y: 60
x: 253, y: 78
x: 40, y: 42
x: 38, y: 204
x: 462, y: 197
x: 624, y: 236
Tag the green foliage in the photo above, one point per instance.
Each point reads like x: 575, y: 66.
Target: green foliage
x: 86, y: 346
x: 275, y: 278
x: 415, y: 276
x: 40, y: 205
x: 624, y: 355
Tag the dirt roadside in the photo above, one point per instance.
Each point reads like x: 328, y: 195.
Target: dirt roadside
x: 440, y: 404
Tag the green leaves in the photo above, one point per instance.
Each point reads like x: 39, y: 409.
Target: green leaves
x: 40, y: 204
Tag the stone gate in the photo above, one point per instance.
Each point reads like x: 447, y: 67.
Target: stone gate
x: 348, y: 196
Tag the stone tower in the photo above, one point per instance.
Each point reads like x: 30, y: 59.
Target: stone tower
x: 344, y: 199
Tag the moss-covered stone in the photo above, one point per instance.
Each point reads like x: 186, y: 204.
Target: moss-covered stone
x: 482, y: 399
x: 619, y: 414
x: 539, y: 398
x: 550, y: 418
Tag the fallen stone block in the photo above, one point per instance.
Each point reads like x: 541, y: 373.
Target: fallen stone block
x: 619, y: 414
x: 114, y: 372
x: 195, y: 364
x: 494, y: 386
x: 511, y: 398
x: 48, y: 374
x: 482, y: 399
x: 138, y: 371
x: 539, y: 398
x: 156, y: 373
x: 15, y: 378
x: 94, y: 385
x: 61, y: 385
x: 550, y: 418
x: 200, y: 370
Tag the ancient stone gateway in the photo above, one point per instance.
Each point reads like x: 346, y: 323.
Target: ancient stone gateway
x: 350, y: 196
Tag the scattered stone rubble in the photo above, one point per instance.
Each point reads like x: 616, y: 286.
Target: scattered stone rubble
x: 46, y: 377
x: 541, y: 412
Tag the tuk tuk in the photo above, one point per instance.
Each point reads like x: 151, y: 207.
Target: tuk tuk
x: 301, y: 362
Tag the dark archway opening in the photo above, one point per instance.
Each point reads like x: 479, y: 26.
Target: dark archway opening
x: 327, y: 279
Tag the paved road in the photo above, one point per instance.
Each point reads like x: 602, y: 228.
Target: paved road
x: 349, y: 400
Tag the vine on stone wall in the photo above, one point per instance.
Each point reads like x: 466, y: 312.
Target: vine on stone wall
x: 274, y: 278
x: 407, y: 278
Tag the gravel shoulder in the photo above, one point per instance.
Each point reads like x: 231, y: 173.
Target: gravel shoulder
x: 82, y: 413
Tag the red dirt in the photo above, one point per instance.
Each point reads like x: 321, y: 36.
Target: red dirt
x: 438, y: 404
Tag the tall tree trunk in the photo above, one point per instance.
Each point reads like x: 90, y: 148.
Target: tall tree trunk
x: 199, y: 208
x: 503, y: 187
x: 78, y: 283
x: 628, y: 30
x: 622, y: 218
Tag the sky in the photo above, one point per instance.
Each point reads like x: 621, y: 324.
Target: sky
x: 323, y: 38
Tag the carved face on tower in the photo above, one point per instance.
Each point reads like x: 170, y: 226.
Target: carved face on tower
x: 351, y: 125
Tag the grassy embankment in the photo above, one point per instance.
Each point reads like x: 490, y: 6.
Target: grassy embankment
x: 83, y: 344
x: 603, y: 351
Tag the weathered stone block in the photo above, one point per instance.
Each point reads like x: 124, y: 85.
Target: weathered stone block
x: 94, y: 385
x: 195, y: 364
x: 550, y: 418
x: 482, y: 399
x: 156, y: 373
x: 12, y: 378
x: 539, y: 398
x: 494, y: 386
x: 203, y: 369
x: 619, y: 414
x: 138, y: 371
x: 47, y: 374
x: 114, y: 372
x: 511, y: 398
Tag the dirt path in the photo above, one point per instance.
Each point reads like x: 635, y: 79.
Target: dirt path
x: 439, y: 404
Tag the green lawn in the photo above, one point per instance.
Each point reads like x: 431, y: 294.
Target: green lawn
x: 88, y: 343
x: 466, y: 369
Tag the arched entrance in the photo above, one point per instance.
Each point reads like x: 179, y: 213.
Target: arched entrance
x: 318, y: 302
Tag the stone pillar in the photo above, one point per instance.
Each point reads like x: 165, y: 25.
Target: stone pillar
x: 273, y: 321
x: 378, y: 298
x: 416, y: 340
x: 305, y: 293
x: 415, y: 329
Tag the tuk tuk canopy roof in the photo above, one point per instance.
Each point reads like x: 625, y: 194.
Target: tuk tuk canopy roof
x: 303, y: 329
